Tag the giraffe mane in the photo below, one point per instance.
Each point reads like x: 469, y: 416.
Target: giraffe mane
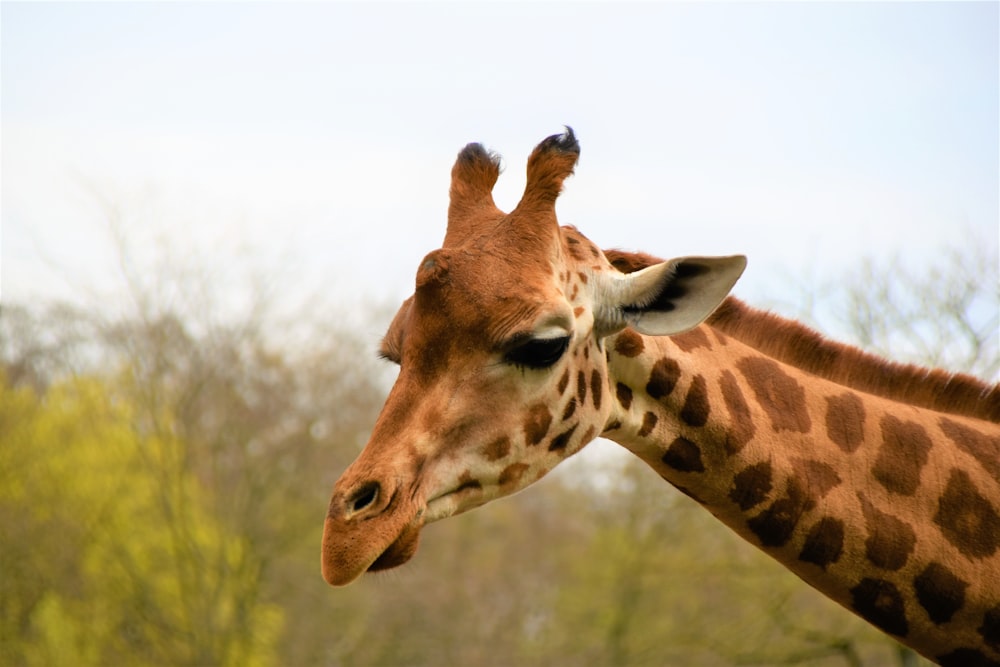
x: 793, y: 343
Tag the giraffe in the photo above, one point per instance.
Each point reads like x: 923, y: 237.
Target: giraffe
x: 877, y: 483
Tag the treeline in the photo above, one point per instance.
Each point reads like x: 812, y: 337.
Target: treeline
x: 164, y: 475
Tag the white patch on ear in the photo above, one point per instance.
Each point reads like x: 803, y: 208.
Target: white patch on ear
x: 666, y: 298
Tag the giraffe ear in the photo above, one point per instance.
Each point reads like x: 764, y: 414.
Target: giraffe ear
x: 667, y: 298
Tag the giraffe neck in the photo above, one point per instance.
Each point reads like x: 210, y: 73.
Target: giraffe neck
x: 890, y: 509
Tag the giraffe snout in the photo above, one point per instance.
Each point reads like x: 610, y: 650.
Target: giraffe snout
x: 370, y: 525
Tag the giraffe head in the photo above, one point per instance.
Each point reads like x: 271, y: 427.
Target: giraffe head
x: 503, y: 372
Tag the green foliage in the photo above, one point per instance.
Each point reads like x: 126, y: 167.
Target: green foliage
x: 107, y: 541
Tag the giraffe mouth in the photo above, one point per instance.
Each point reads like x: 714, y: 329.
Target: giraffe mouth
x: 446, y: 504
x: 342, y: 564
x: 449, y: 503
x: 466, y: 496
x: 400, y: 551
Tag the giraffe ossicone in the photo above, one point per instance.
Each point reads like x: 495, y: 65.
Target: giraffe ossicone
x: 877, y: 483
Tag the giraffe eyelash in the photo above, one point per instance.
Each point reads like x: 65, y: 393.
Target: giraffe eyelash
x: 538, y: 353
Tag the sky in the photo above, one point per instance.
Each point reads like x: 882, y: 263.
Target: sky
x: 316, y: 140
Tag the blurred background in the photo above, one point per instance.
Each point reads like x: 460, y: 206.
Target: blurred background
x: 211, y: 211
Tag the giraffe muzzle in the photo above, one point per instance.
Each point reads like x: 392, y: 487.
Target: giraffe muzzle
x: 369, y: 526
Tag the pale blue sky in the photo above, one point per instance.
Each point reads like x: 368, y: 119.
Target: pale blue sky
x: 319, y: 137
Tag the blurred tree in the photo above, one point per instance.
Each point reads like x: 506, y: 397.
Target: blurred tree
x: 266, y: 432
x: 251, y: 434
x: 105, y: 543
x: 944, y: 314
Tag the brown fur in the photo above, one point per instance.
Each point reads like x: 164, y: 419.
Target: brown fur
x: 798, y: 345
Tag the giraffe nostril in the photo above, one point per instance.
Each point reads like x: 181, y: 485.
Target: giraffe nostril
x: 364, y: 497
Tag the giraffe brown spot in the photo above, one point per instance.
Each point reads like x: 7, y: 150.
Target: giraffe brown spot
x: 990, y: 629
x: 880, y: 603
x: 573, y: 246
x: 719, y: 337
x: 824, y: 543
x: 578, y: 311
x: 596, y: 388
x: 536, y: 424
x: 741, y: 428
x: 690, y: 340
x: 581, y: 387
x: 616, y: 424
x: 588, y: 435
x: 695, y: 410
x: 569, y: 409
x: 966, y: 518
x: 781, y: 396
x: 775, y: 525
x: 890, y: 541
x: 629, y: 344
x: 751, y: 485
x: 563, y: 382
x: 966, y: 657
x: 648, y: 422
x: 560, y: 441
x: 902, y: 456
x: 624, y: 395
x: 984, y: 448
x: 582, y: 276
x: 512, y: 474
x: 684, y: 455
x: 663, y: 378
x: 576, y: 290
x: 497, y: 449
x: 845, y: 421
x: 940, y: 592
x: 819, y: 477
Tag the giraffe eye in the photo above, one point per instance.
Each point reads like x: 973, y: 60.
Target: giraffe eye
x: 538, y: 352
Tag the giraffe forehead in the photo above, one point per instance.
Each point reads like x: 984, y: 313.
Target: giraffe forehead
x: 461, y: 318
x: 498, y: 282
